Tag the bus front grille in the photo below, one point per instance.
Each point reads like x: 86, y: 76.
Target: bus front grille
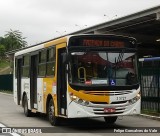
x: 103, y: 108
x: 118, y: 102
x: 108, y: 113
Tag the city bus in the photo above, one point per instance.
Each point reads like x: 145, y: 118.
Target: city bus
x: 79, y: 76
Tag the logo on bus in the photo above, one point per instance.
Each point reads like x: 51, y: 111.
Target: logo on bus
x: 112, y: 82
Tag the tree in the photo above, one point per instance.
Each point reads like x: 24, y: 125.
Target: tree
x: 2, y: 51
x: 2, y: 40
x: 14, y: 40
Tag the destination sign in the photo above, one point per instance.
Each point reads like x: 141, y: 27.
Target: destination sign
x: 104, y: 43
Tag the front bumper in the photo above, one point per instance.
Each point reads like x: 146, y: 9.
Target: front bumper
x: 97, y: 110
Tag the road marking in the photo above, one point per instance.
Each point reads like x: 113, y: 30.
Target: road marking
x: 4, y: 130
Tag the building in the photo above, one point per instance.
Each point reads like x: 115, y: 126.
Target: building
x: 144, y: 26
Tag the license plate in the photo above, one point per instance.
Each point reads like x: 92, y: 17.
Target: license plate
x: 109, y: 110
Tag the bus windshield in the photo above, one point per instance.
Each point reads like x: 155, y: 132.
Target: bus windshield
x: 103, y: 68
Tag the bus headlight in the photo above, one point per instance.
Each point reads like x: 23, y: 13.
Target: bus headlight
x: 72, y: 96
x: 86, y: 103
x: 78, y: 100
x: 82, y: 102
x: 135, y: 99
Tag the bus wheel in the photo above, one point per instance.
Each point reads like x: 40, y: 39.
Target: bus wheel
x: 110, y: 120
x: 51, y: 114
x: 27, y: 112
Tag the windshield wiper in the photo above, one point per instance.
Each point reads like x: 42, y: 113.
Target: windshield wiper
x: 119, y: 59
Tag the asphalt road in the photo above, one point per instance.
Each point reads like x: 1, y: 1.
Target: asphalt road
x: 12, y: 115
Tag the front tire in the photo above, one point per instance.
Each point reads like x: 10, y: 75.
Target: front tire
x: 27, y: 112
x: 110, y: 120
x: 51, y: 114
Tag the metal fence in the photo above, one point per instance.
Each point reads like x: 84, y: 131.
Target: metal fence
x: 6, y: 82
x: 149, y: 71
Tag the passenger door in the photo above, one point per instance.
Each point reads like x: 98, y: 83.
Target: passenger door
x: 61, y: 84
x: 19, y: 76
x: 33, y: 80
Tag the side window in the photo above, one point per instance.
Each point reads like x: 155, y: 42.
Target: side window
x: 51, y: 59
x: 42, y: 63
x: 25, y: 67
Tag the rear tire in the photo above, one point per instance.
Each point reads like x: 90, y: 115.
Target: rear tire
x: 110, y: 120
x: 27, y: 112
x: 51, y: 114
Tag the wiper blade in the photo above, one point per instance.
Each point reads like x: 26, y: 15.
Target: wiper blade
x: 119, y: 59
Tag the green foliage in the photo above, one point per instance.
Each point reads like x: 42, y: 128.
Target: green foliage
x: 2, y: 40
x: 4, y: 64
x: 14, y: 40
x: 5, y: 67
x: 2, y: 51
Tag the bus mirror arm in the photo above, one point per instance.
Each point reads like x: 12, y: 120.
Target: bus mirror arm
x: 64, y: 58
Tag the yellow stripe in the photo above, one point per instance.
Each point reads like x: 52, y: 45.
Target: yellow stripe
x: 89, y: 97
x: 55, y: 42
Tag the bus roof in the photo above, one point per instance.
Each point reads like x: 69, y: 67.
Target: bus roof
x: 41, y: 45
x: 57, y: 41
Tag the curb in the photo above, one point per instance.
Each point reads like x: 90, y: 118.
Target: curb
x: 6, y: 94
x: 150, y: 117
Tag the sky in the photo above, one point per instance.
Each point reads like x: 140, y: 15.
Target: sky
x: 41, y: 20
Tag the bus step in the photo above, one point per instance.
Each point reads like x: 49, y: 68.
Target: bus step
x: 34, y: 110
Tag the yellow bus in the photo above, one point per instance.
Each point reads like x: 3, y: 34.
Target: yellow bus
x: 78, y: 76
